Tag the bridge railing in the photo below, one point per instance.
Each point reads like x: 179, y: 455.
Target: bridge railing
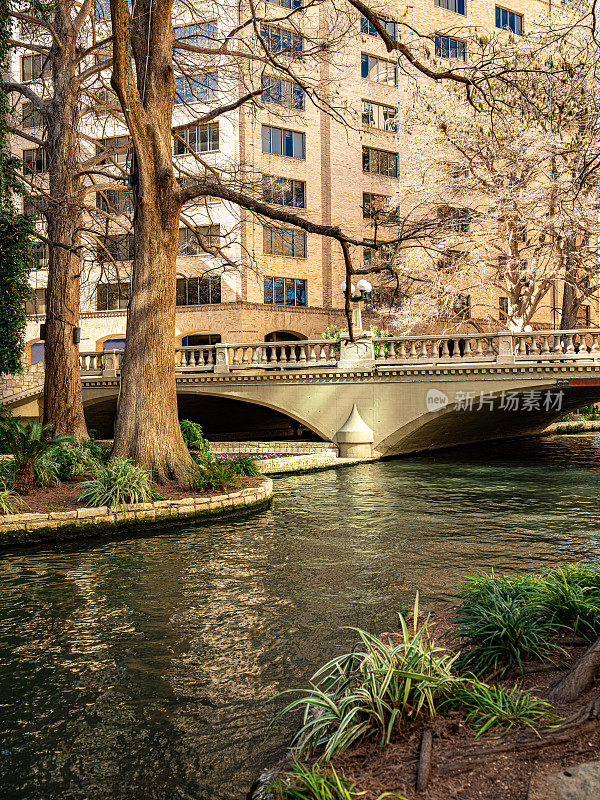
x: 503, y: 347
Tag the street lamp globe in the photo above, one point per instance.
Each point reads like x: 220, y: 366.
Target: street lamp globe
x: 343, y: 287
x: 528, y: 329
x: 364, y: 286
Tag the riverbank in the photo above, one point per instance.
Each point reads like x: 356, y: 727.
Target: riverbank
x: 57, y: 524
x: 576, y: 426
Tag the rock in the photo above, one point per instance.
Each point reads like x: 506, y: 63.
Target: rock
x: 580, y: 782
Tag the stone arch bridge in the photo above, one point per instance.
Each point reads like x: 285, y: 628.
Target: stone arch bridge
x: 384, y: 396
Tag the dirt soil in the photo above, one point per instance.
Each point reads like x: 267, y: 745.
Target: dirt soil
x: 64, y: 497
x: 377, y: 769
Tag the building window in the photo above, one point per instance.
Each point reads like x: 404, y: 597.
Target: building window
x: 278, y: 40
x: 450, y: 260
x: 462, y: 306
x: 522, y: 233
x: 34, y: 161
x: 31, y: 67
x: 200, y: 139
x: 382, y: 255
x: 33, y: 206
x: 119, y: 147
x: 40, y: 256
x: 448, y: 47
x: 375, y: 115
x: 202, y: 34
x: 112, y: 296
x: 285, y: 93
x: 367, y: 27
x: 283, y: 191
x: 509, y: 21
x: 189, y: 244
x: 380, y: 162
x: 289, y: 242
x: 458, y: 6
x: 196, y: 88
x: 31, y: 117
x: 285, y: 291
x: 281, y: 142
x: 112, y: 201
x: 37, y: 304
x: 584, y: 316
x: 378, y: 69
x: 503, y: 309
x: 116, y: 247
x: 457, y: 219
x: 198, y: 291
x: 293, y: 4
x: 373, y: 204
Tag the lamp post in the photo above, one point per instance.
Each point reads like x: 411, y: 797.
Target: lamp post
x: 364, y: 294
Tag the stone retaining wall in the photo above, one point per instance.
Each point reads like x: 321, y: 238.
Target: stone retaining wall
x: 573, y: 426
x: 24, y: 529
x: 288, y: 446
x: 297, y: 463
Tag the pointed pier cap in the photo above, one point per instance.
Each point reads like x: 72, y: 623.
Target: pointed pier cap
x: 355, y: 430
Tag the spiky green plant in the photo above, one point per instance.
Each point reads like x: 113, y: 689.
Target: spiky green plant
x: 498, y: 631
x: 303, y: 782
x: 118, y: 483
x: 495, y: 707
x: 570, y: 597
x: 28, y: 445
x: 74, y: 461
x: 10, y: 502
x: 212, y: 476
x: 194, y: 437
x: 373, y: 690
x: 243, y: 464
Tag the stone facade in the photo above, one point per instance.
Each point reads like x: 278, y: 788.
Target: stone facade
x: 27, y: 529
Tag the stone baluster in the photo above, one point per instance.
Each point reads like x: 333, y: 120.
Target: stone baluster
x: 595, y: 345
x: 302, y: 358
x: 545, y: 349
x: 479, y: 346
x: 444, y: 350
x: 312, y: 355
x: 569, y: 344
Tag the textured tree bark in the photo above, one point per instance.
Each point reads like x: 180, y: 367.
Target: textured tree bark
x: 63, y: 402
x: 579, y: 679
x: 147, y: 427
x: 568, y: 315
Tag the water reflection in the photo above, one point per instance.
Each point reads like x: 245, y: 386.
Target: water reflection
x: 144, y: 669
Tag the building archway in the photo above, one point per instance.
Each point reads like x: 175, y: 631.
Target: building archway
x: 114, y: 341
x: 284, y: 336
x: 35, y: 350
x: 200, y: 339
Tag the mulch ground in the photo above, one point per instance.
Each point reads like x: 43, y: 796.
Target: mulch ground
x: 64, y: 497
x: 393, y: 768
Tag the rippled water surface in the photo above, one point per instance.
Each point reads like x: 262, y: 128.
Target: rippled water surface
x: 143, y: 669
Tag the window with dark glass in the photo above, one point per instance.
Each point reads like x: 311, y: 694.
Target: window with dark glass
x: 37, y: 304
x: 376, y: 115
x: 189, y: 244
x: 584, y: 316
x: 380, y: 162
x: 378, y: 69
x: 283, y: 142
x: 373, y: 203
x: 509, y: 21
x: 285, y: 291
x: 448, y: 47
x: 115, y: 247
x: 289, y: 242
x: 450, y: 260
x: 390, y: 26
x: 198, y: 291
x: 31, y: 117
x: 112, y: 296
x: 113, y: 202
x: 293, y: 4
x: 200, y: 88
x: 458, y: 6
x: 33, y: 206
x: 31, y: 67
x: 203, y: 34
x: 457, y: 219
x: 118, y: 147
x: 503, y: 309
x: 34, y: 161
x: 279, y: 40
x: 282, y: 92
x: 283, y: 191
x: 462, y: 306
x: 40, y: 256
x: 199, y: 139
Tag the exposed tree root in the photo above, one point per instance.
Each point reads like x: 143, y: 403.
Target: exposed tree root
x: 425, y: 761
x: 584, y: 721
x: 579, y: 679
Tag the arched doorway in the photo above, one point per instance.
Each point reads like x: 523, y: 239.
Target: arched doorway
x: 284, y: 336
x: 114, y: 343
x: 37, y: 353
x: 200, y: 339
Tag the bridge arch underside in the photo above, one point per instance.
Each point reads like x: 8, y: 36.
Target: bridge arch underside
x: 222, y: 418
x: 449, y: 428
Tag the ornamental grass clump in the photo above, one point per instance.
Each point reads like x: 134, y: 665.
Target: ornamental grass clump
x: 31, y: 450
x: 212, y: 476
x: 74, y: 461
x: 304, y: 782
x: 119, y: 483
x: 374, y: 690
x: 570, y: 597
x: 10, y: 502
x: 241, y: 464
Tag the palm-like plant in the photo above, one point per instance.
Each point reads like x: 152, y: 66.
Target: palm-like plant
x: 27, y: 445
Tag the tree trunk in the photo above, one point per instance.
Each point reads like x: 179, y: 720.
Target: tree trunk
x: 147, y: 428
x: 23, y: 482
x: 579, y: 679
x: 568, y: 316
x: 63, y: 402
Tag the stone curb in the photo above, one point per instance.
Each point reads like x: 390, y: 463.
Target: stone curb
x: 297, y: 463
x: 27, y: 529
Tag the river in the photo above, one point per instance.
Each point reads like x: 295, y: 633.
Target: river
x: 145, y: 669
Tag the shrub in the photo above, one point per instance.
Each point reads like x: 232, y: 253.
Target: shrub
x: 28, y: 447
x: 10, y: 502
x: 501, y: 631
x: 373, y: 690
x: 212, y: 476
x: 570, y: 597
x: 98, y: 451
x: 243, y: 464
x: 118, y: 483
x: 74, y: 461
x: 302, y: 782
x: 493, y: 706
x: 193, y: 437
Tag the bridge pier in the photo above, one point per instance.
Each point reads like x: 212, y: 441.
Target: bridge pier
x: 355, y: 439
